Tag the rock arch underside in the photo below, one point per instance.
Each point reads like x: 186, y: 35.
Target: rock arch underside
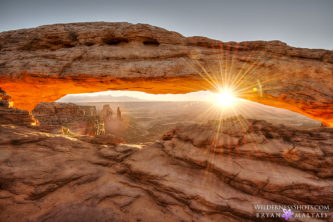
x: 45, y: 63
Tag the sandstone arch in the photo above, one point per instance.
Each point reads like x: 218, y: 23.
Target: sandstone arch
x: 48, y: 62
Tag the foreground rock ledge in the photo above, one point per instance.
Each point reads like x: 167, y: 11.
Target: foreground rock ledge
x: 196, y: 173
x: 45, y: 63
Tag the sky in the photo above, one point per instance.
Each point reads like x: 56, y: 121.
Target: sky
x: 299, y: 23
x: 224, y: 100
x: 134, y: 96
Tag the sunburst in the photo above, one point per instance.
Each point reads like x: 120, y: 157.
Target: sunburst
x: 230, y: 82
x: 225, y: 98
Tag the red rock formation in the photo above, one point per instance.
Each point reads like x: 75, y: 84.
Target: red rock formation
x: 10, y: 115
x: 79, y: 119
x: 200, y: 173
x: 48, y: 62
x: 114, y: 126
x: 106, y: 113
x: 119, y: 118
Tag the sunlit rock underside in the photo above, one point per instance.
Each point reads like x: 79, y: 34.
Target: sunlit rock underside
x: 8, y: 114
x: 45, y: 63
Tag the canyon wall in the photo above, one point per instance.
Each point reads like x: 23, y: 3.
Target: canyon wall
x: 83, y: 120
x: 45, y: 63
x: 10, y: 115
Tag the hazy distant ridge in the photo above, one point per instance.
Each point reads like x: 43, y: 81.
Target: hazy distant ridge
x: 99, y: 98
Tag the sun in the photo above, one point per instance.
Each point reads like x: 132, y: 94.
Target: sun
x: 225, y: 98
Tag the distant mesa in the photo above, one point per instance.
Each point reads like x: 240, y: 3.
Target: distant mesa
x: 77, y: 98
x: 82, y: 120
x: 112, y: 124
x: 106, y: 113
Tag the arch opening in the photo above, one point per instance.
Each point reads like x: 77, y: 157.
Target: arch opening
x: 139, y: 117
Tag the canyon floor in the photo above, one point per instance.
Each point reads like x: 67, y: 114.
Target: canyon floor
x: 148, y: 121
x: 194, y: 172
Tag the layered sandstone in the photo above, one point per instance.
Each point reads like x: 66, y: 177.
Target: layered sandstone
x: 8, y: 114
x: 78, y: 119
x: 113, y: 125
x: 196, y: 173
x: 48, y: 62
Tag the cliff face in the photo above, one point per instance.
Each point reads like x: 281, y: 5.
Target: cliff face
x: 48, y: 62
x: 198, y: 173
x: 9, y: 115
x: 78, y: 119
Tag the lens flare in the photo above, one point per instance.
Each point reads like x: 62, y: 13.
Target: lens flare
x: 225, y: 98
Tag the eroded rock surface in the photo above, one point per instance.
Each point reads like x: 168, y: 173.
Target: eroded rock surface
x: 8, y: 114
x: 78, y: 119
x: 48, y: 62
x: 208, y: 172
